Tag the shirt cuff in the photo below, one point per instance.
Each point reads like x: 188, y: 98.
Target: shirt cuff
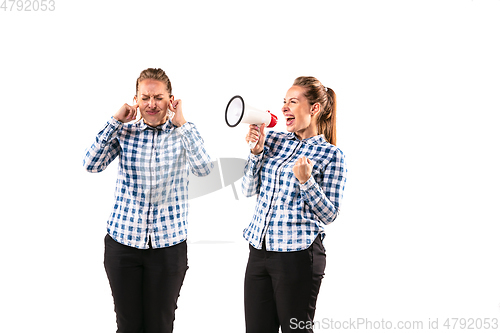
x: 255, y: 160
x: 258, y: 157
x: 109, y: 131
x: 310, y: 183
x: 185, y: 128
x: 115, y: 123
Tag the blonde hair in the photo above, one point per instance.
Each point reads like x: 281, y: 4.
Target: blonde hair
x: 154, y: 74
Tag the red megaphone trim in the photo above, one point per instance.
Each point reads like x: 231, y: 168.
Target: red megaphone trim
x: 274, y: 120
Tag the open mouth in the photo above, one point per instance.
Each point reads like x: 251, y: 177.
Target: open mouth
x: 289, y: 120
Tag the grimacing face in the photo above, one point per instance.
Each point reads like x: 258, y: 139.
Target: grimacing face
x: 154, y: 101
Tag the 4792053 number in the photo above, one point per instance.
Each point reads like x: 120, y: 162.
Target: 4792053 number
x: 471, y: 323
x: 28, y: 5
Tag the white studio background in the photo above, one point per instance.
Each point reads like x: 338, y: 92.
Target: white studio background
x: 417, y: 86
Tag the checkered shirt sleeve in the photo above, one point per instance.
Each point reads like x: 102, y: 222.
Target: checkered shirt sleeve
x: 151, y: 199
x: 288, y: 214
x: 105, y: 148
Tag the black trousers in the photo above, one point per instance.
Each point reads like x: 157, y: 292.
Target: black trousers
x: 145, y: 285
x: 281, y: 289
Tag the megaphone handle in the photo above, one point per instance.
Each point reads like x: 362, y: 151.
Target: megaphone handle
x: 252, y: 144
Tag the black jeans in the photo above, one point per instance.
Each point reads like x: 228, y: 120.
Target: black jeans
x: 145, y: 285
x: 281, y: 289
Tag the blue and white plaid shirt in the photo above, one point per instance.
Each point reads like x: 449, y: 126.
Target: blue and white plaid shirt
x: 151, y: 198
x: 288, y: 214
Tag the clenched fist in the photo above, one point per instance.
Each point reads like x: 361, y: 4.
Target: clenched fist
x: 302, y: 169
x: 126, y: 113
x: 178, y: 118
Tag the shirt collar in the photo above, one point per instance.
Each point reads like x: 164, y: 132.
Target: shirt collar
x: 317, y: 139
x: 165, y: 127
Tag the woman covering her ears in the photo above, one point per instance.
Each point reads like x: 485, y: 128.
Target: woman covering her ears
x: 299, y: 179
x: 145, y: 246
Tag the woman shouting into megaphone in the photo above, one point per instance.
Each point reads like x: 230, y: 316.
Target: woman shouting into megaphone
x: 145, y: 246
x: 299, y: 180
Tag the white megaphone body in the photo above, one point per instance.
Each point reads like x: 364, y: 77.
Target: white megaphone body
x: 238, y: 112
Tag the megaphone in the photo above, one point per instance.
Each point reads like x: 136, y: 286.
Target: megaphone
x: 226, y: 172
x: 237, y: 112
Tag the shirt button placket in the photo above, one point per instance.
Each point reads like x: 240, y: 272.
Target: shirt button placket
x: 154, y: 180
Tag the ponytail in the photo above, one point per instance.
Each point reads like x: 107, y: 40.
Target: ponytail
x: 327, y: 120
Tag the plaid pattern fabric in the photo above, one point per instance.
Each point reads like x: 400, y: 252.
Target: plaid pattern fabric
x: 288, y: 214
x: 151, y: 198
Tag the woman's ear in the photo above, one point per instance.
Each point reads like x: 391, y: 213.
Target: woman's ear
x: 135, y: 99
x: 171, y: 100
x: 315, y: 109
